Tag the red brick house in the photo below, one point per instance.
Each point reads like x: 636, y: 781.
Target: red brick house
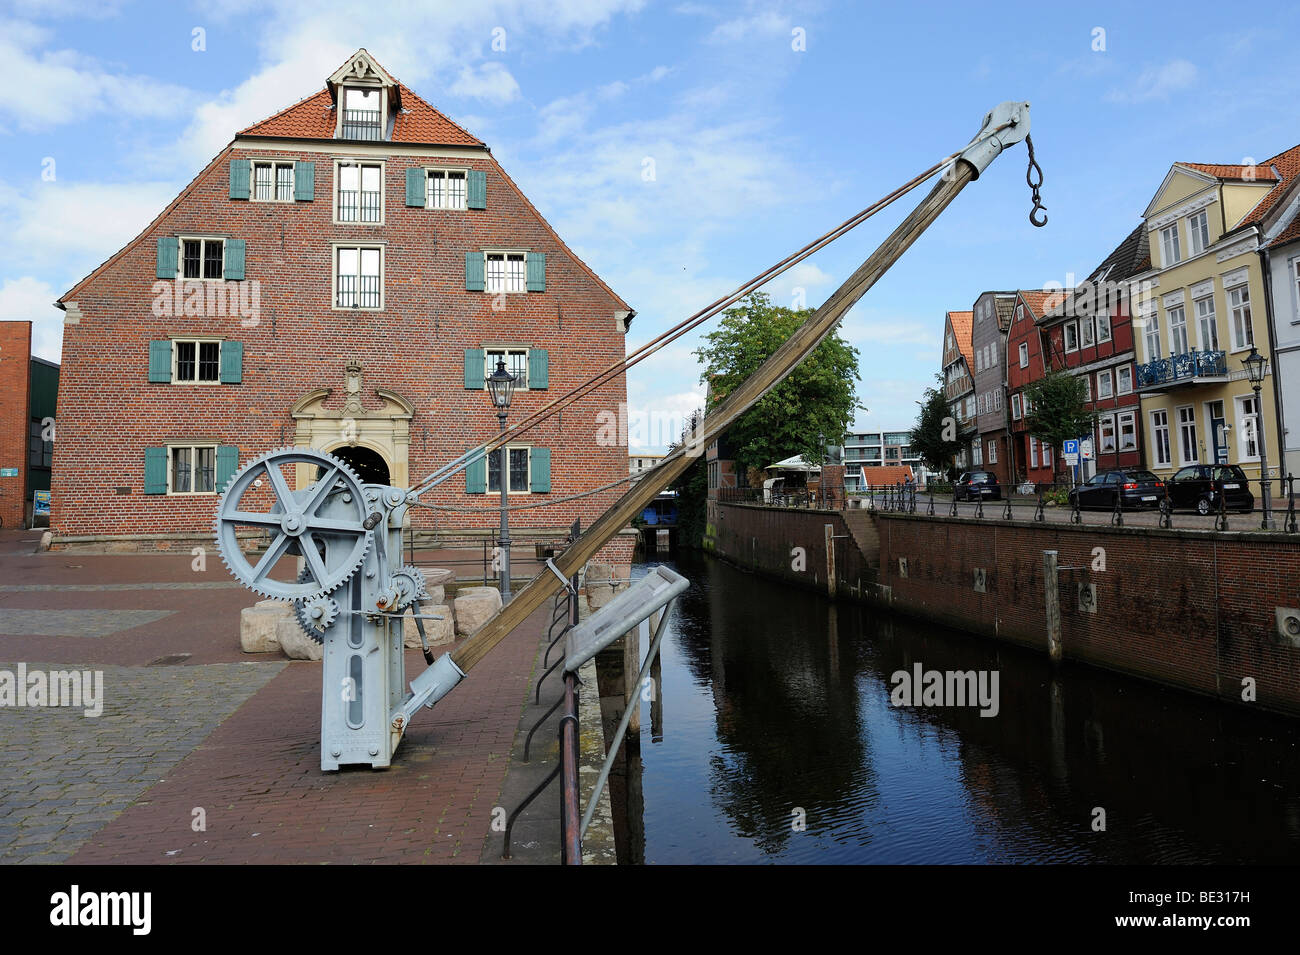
x: 1091, y: 335
x: 341, y: 276
x: 1026, y: 362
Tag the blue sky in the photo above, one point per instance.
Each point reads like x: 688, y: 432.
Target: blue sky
x: 756, y: 146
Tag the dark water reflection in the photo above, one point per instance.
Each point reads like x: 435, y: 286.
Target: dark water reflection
x: 775, y: 701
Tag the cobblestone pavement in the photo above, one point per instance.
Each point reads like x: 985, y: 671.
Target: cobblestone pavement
x: 235, y: 736
x: 65, y: 775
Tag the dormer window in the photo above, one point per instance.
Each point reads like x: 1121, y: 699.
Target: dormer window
x: 362, y: 114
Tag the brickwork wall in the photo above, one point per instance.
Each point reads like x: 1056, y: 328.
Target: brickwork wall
x: 109, y: 412
x: 15, y: 418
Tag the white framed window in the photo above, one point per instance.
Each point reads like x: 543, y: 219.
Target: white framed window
x: 445, y: 189
x: 517, y: 471
x: 191, y: 469
x: 1151, y: 337
x: 1087, y: 387
x: 1124, y: 380
x: 979, y: 361
x: 1160, y: 438
x: 1024, y: 354
x: 1087, y: 331
x: 363, y: 114
x: 1295, y: 274
x: 1106, y: 433
x: 1071, y: 332
x: 1033, y: 452
x: 272, y: 182
x: 993, y: 355
x: 1243, y: 331
x: 1170, y: 254
x: 359, y: 277
x: 202, y: 258
x: 970, y: 406
x: 1128, y: 439
x: 1188, y: 446
x: 1198, y: 232
x: 505, y: 272
x: 1105, y: 384
x: 196, y: 361
x: 1178, y: 330
x: 1247, y: 428
x: 977, y: 454
x: 993, y: 452
x: 1015, y: 407
x: 1103, y: 328
x: 1207, y: 325
x: 997, y: 400
x: 359, y: 192
x: 979, y: 405
x: 516, y: 359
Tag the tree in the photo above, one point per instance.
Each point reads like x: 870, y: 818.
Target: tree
x: 816, y: 398
x: 1058, y: 411
x: 934, y: 439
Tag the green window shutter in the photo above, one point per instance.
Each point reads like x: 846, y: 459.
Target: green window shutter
x: 538, y: 369
x: 475, y: 361
x: 239, y: 175
x: 539, y: 470
x: 227, y: 465
x: 304, y: 181
x: 235, y: 259
x: 415, y: 187
x: 168, y: 249
x: 155, y: 470
x: 476, y: 189
x: 474, y: 271
x: 232, y: 363
x: 476, y: 476
x: 160, y: 361
x: 536, y: 271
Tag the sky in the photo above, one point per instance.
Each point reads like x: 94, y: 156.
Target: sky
x: 678, y: 147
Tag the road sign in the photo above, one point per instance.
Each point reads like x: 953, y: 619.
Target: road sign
x: 1085, y: 449
x: 8, y: 472
x: 1070, y: 451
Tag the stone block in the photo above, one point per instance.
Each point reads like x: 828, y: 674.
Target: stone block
x: 296, y: 644
x: 439, y: 632
x: 474, y: 606
x: 257, y: 626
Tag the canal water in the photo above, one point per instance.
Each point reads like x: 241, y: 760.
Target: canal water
x: 778, y: 742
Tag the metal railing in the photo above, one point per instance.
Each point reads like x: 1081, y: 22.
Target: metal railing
x: 1208, y: 508
x: 1184, y: 366
x: 361, y: 124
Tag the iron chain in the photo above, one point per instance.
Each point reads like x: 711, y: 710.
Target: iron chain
x: 1038, y: 208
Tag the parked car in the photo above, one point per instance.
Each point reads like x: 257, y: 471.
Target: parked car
x: 973, y: 485
x: 1136, y: 489
x: 1198, y: 486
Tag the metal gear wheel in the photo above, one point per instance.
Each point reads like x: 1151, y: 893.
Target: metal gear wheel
x: 324, y: 523
x: 409, y: 583
x: 316, y: 615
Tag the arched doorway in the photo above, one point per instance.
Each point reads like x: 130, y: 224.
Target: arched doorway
x: 369, y: 465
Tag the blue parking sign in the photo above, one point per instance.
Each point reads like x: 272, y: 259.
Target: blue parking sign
x: 1070, y: 446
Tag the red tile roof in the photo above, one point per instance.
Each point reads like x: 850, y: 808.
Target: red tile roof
x: 1287, y: 163
x: 313, y: 118
x: 961, y: 324
x: 1041, y: 301
x: 1260, y: 172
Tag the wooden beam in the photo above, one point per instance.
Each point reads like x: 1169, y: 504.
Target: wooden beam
x: 766, y: 377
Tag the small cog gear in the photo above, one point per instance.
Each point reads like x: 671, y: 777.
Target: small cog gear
x: 316, y: 615
x: 409, y: 583
x: 324, y: 523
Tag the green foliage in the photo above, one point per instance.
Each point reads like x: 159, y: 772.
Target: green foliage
x: 1058, y: 409
x: 817, y: 398
x: 927, y: 437
x: 692, y: 487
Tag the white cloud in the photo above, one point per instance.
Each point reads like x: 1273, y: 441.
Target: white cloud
x: 767, y: 23
x: 28, y: 299
x: 1157, y: 83
x: 63, y: 86
x: 490, y: 82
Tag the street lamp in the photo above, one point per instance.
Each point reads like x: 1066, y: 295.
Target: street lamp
x: 1255, y: 363
x: 501, y: 387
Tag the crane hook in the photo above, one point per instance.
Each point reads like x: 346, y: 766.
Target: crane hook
x: 1038, y: 208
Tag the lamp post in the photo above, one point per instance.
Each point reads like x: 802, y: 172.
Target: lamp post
x: 1255, y: 363
x: 500, y: 387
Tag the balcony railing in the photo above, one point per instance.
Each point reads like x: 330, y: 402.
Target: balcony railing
x: 1182, y: 369
x: 361, y: 124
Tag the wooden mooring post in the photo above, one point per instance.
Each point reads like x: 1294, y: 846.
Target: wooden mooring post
x: 1052, y: 599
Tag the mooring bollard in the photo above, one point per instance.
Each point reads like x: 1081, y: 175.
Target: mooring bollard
x: 1052, y: 599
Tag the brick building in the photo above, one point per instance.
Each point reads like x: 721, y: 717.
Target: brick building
x: 959, y: 384
x: 992, y: 317
x: 28, y: 388
x: 341, y: 277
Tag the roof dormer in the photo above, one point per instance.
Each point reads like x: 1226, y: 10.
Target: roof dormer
x: 366, y: 99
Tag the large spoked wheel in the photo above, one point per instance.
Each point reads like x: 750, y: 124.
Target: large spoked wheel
x: 323, y: 523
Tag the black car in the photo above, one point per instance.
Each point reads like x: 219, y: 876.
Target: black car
x: 1198, y: 487
x: 1136, y: 489
x: 974, y: 485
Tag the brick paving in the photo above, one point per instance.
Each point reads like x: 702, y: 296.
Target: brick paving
x: 232, y: 735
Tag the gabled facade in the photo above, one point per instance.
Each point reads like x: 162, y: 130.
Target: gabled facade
x: 959, y: 383
x: 992, y: 315
x: 1198, y: 312
x: 1027, y: 360
x: 1091, y: 336
x: 341, y: 276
